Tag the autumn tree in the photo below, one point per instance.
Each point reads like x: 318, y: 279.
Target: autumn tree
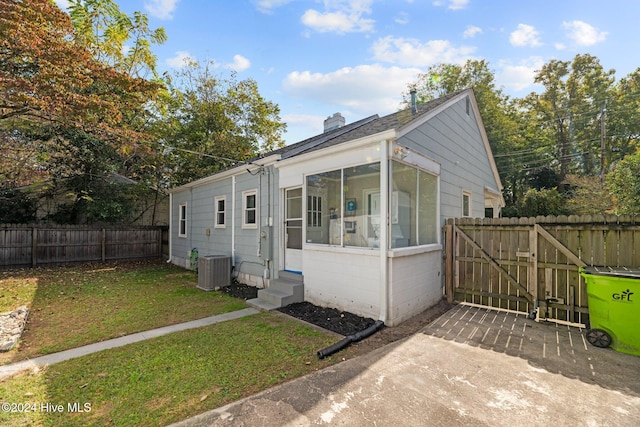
x: 48, y: 76
x: 51, y: 83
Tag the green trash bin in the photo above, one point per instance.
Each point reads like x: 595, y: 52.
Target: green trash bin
x: 614, y: 307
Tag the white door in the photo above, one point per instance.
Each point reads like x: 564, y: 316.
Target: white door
x: 293, y: 230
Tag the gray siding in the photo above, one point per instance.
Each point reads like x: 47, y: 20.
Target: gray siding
x: 453, y: 139
x: 201, y: 221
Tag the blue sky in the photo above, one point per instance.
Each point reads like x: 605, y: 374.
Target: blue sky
x: 317, y: 57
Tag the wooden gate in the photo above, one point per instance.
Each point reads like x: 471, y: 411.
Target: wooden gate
x: 531, y: 265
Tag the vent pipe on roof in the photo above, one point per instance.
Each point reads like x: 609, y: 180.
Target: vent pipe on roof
x: 334, y: 122
x: 414, y: 107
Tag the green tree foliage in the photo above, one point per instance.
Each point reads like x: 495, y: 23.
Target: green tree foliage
x: 569, y: 109
x: 587, y: 195
x: 547, y: 201
x: 124, y: 42
x: 624, y: 184
x: 16, y: 206
x: 210, y: 122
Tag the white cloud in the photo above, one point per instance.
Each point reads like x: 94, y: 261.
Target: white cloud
x: 340, y: 16
x: 240, y: 63
x: 161, y: 9
x: 267, y: 6
x: 525, y: 35
x: 307, y: 124
x: 402, y: 18
x: 364, y: 89
x: 452, y: 4
x: 471, y: 32
x: 411, y: 52
x: 181, y: 59
x: 583, y: 34
x: 519, y: 76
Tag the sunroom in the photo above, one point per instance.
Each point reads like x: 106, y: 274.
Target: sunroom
x: 362, y: 224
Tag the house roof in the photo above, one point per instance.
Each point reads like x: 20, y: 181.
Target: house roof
x: 368, y: 126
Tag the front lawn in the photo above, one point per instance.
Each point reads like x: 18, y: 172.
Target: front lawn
x: 75, y: 305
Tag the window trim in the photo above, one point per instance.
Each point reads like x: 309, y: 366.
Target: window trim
x: 182, y: 219
x: 217, y: 212
x: 245, y: 194
x: 466, y: 193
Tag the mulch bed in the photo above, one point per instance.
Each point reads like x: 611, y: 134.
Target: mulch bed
x: 341, y: 322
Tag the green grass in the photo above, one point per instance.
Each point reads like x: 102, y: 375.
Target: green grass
x: 77, y: 305
x: 170, y: 378
x: 151, y: 383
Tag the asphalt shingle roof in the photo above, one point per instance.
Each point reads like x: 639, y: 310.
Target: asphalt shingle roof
x: 368, y: 126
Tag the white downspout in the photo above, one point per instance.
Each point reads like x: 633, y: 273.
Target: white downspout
x: 233, y: 220
x: 384, y: 228
x: 170, y: 226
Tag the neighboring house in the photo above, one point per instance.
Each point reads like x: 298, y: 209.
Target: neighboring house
x: 356, y: 211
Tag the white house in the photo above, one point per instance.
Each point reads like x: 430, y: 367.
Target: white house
x: 350, y: 218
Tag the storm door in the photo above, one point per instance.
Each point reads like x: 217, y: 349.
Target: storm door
x: 293, y: 230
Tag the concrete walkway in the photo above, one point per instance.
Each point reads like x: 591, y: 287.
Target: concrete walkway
x: 49, y: 359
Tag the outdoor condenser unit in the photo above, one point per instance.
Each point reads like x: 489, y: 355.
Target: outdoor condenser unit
x: 214, y: 271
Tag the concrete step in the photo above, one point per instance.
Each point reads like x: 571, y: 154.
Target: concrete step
x: 261, y: 304
x: 293, y: 288
x: 276, y: 297
x: 285, y: 290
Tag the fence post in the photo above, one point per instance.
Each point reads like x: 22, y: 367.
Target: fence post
x: 533, y: 262
x: 448, y: 265
x: 104, y: 245
x: 34, y: 246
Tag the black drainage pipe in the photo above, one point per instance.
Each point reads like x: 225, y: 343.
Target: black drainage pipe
x: 343, y: 343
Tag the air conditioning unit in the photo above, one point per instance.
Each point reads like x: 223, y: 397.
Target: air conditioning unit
x: 214, y: 271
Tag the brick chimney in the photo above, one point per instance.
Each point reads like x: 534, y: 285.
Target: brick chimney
x: 334, y: 122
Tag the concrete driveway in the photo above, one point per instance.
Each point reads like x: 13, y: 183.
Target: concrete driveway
x: 472, y: 366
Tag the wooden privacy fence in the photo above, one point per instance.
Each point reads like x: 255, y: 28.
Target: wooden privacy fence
x: 531, y: 265
x: 31, y: 245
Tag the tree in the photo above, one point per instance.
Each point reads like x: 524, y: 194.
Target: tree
x: 570, y: 110
x: 210, y: 123
x: 47, y: 76
x: 624, y: 185
x: 113, y: 37
x: 622, y: 124
x: 547, y: 201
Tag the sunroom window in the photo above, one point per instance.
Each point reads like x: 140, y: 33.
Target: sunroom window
x: 344, y: 207
x: 413, y: 204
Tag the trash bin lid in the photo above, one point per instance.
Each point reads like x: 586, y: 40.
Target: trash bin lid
x: 613, y: 271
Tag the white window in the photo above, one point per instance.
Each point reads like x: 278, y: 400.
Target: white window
x: 466, y: 203
x: 182, y: 220
x: 250, y: 209
x: 221, y: 211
